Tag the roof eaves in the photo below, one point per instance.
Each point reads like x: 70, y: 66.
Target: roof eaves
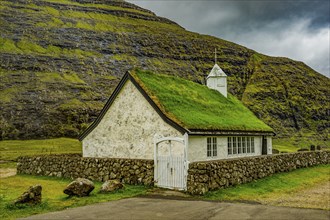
x: 230, y: 132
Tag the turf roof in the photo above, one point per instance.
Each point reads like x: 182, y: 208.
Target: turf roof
x: 194, y: 106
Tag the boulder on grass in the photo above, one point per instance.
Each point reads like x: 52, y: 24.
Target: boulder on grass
x: 111, y: 185
x: 31, y: 197
x: 79, y: 187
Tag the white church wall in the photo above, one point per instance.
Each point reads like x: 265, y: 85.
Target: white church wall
x: 197, y: 149
x: 269, y: 145
x: 218, y: 83
x: 128, y: 128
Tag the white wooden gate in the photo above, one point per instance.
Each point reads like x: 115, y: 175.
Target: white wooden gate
x: 171, y: 170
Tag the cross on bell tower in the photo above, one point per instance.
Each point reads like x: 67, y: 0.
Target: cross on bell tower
x: 215, y: 55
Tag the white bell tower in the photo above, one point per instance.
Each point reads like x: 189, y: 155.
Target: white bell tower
x: 217, y: 79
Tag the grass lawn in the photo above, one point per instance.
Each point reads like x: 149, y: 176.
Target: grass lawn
x: 275, y: 187
x: 53, y: 198
x: 295, y: 143
x: 11, y: 149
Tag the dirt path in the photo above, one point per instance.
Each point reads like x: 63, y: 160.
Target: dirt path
x: 7, y: 172
x: 317, y: 197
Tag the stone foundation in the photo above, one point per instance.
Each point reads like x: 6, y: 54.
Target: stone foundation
x: 213, y: 175
x: 131, y: 171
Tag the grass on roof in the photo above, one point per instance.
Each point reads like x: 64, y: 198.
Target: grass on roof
x: 195, y: 106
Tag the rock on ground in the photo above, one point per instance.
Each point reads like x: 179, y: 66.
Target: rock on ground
x: 32, y: 196
x: 79, y: 187
x: 111, y: 185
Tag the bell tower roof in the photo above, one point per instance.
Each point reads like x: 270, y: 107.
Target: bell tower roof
x: 216, y: 71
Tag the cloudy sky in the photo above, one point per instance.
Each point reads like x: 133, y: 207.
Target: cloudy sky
x: 297, y: 29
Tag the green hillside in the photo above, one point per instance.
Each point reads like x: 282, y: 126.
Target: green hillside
x: 61, y: 59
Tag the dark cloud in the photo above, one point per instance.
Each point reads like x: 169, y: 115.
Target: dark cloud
x: 297, y: 29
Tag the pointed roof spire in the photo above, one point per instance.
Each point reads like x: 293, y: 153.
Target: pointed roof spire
x: 216, y: 71
x: 215, y: 55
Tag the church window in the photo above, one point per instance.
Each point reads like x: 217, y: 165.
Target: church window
x: 240, y: 145
x: 212, y: 150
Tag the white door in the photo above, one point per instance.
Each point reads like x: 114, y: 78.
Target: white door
x: 171, y: 172
x: 170, y: 169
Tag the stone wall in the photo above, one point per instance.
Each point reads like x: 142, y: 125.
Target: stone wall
x: 131, y: 171
x: 213, y: 175
x: 202, y: 176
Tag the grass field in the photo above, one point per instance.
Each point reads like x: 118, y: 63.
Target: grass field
x: 11, y: 149
x: 277, y: 186
x: 53, y: 198
x: 294, y: 143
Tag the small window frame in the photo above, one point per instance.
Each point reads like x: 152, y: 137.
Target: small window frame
x: 211, y: 147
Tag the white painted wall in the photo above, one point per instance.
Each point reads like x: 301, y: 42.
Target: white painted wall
x: 197, y: 149
x: 218, y: 83
x: 128, y: 128
x: 269, y: 145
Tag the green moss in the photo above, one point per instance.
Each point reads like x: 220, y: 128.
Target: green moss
x: 105, y: 27
x: 110, y: 7
x: 84, y: 25
x: 67, y: 2
x: 73, y: 78
x: 6, y: 95
x: 109, y: 77
x: 53, y: 77
x: 195, y: 106
x: 30, y: 47
x: 56, y: 22
x: 52, y: 11
x: 50, y: 77
x: 125, y: 57
x: 97, y: 6
x: 72, y: 104
x: 108, y: 22
x: 8, y: 46
x: 54, y: 50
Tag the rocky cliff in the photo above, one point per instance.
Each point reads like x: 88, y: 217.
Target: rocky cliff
x: 61, y: 59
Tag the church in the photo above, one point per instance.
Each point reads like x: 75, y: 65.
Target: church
x: 174, y: 121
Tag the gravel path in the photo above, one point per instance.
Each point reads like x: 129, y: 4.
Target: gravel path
x: 149, y: 208
x: 6, y: 172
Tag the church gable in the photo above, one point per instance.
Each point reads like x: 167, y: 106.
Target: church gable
x: 127, y: 128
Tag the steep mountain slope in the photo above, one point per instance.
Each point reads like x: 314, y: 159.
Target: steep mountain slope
x: 61, y: 59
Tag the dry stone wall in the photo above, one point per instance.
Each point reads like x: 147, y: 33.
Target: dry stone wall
x: 202, y: 176
x: 131, y: 171
x: 213, y: 175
